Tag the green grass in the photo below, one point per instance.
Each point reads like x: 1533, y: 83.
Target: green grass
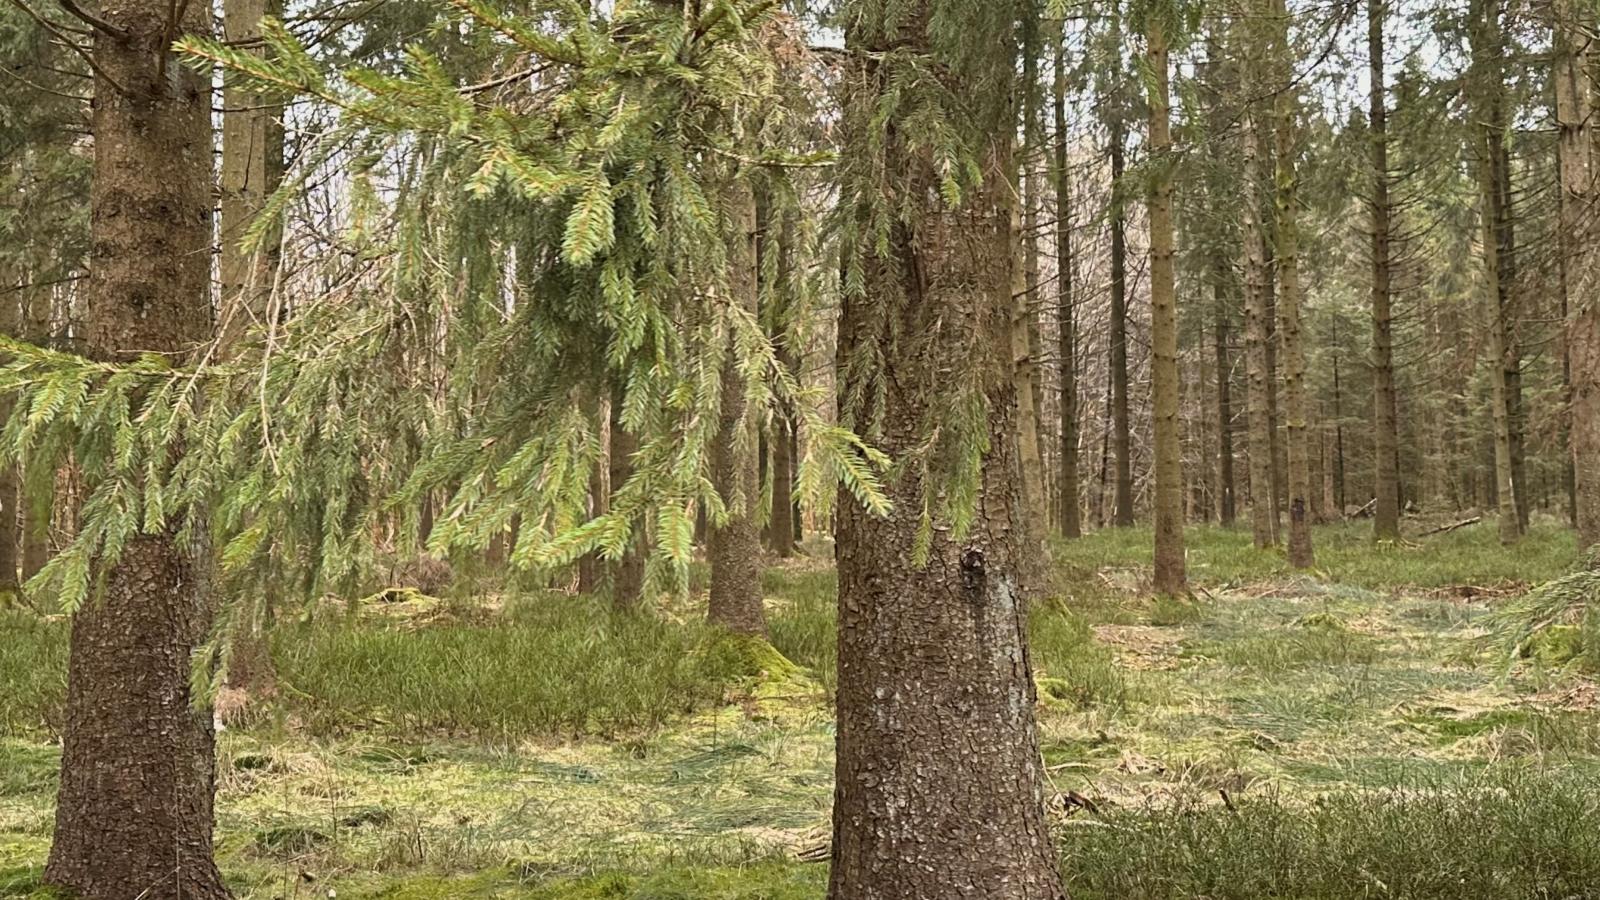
x: 550, y: 749
x: 803, y: 616
x: 1345, y: 552
x: 1506, y: 836
x: 33, y: 673
x: 550, y: 665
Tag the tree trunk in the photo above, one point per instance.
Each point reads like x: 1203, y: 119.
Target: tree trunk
x: 940, y: 789
x: 1121, y: 442
x: 1505, y: 229
x: 1066, y: 308
x: 1578, y: 281
x: 1385, y: 425
x: 1039, y: 503
x: 1296, y: 433
x: 1269, y: 313
x: 1487, y: 77
x: 733, y: 546
x: 627, y: 572
x: 1257, y: 388
x: 252, y: 168
x: 134, y: 811
x: 10, y: 483
x: 591, y: 566
x: 1227, y: 504
x: 37, y: 511
x: 1170, y: 576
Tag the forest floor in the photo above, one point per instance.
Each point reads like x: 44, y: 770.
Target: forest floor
x: 1345, y: 733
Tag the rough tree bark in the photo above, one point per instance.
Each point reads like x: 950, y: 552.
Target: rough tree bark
x: 627, y: 572
x: 940, y: 789
x: 1257, y: 388
x: 37, y: 511
x: 10, y: 483
x: 781, y: 525
x: 1486, y: 75
x: 1296, y: 434
x: 1066, y: 308
x: 252, y: 168
x: 1385, y: 419
x: 734, y: 545
x: 1122, y: 447
x: 134, y: 811
x: 1578, y: 280
x: 1227, y: 503
x: 1170, y: 577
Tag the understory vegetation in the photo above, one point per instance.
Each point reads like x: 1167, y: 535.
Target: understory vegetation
x: 1344, y: 733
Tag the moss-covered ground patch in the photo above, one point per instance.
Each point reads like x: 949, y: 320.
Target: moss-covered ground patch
x: 1312, y: 736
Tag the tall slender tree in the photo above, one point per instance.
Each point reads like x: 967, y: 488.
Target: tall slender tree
x: 1385, y: 418
x: 1258, y: 387
x: 734, y: 543
x: 1574, y: 103
x: 134, y: 810
x: 1122, y: 442
x: 1071, y: 515
x: 1170, y: 576
x: 1296, y: 433
x: 1486, y: 83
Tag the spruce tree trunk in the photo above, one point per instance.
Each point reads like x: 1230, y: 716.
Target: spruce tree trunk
x: 591, y: 566
x: 940, y: 789
x: 1038, y: 502
x: 252, y: 167
x: 1385, y: 424
x: 37, y: 511
x: 1170, y: 577
x: 1296, y: 433
x: 1505, y: 229
x: 1066, y: 308
x: 782, y: 525
x: 1122, y: 448
x: 1269, y: 290
x: 1227, y: 504
x: 734, y: 545
x: 1579, y: 283
x: 627, y: 573
x: 1487, y: 75
x: 10, y: 483
x: 134, y: 810
x: 1257, y: 388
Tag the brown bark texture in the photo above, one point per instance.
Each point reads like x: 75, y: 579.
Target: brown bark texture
x: 734, y: 546
x: 134, y: 811
x: 940, y: 790
x: 1170, y: 576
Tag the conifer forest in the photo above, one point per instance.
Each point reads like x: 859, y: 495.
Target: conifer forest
x: 800, y: 449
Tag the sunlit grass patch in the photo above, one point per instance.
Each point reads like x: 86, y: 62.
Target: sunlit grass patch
x: 803, y: 615
x: 550, y: 666
x: 1504, y: 836
x: 33, y: 672
x: 1346, y: 554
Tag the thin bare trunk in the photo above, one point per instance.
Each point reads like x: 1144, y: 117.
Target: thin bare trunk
x: 1066, y: 308
x: 1257, y: 388
x: 1385, y: 425
x: 1170, y: 576
x: 1296, y: 433
x: 1574, y: 103
x: 733, y: 546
